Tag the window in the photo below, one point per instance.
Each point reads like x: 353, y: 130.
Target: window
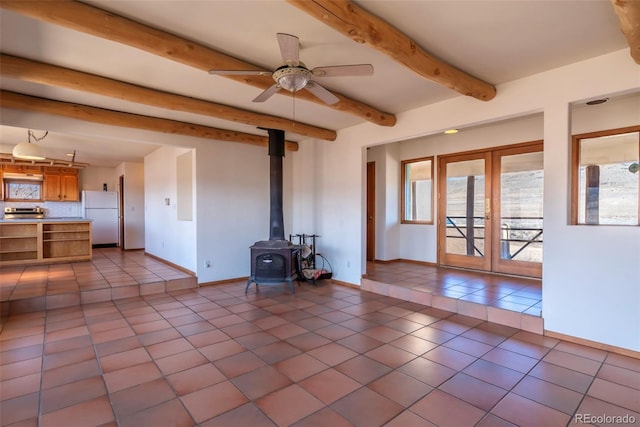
x: 605, y: 178
x: 417, y: 191
x: 23, y: 190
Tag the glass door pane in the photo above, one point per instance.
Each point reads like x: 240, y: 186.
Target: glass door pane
x: 464, y: 226
x: 518, y: 222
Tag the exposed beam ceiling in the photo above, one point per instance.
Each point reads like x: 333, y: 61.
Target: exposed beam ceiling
x: 100, y: 23
x: 628, y: 12
x: 39, y: 72
x: 116, y: 118
x: 496, y: 41
x: 364, y: 27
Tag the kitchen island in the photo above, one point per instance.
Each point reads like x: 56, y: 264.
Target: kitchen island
x: 42, y: 241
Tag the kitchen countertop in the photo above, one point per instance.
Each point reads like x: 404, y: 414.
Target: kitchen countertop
x: 46, y: 219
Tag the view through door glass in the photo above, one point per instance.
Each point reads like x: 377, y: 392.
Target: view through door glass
x: 518, y: 248
x: 491, y: 210
x: 464, y: 226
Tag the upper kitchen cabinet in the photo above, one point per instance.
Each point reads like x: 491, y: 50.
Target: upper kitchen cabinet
x: 21, y: 169
x: 61, y: 185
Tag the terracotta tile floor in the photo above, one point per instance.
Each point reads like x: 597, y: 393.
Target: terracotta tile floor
x: 111, y: 274
x: 511, y: 293
x: 325, y: 356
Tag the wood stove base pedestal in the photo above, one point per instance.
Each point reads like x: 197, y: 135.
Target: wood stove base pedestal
x: 262, y: 282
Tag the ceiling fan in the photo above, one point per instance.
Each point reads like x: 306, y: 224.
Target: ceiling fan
x: 294, y: 75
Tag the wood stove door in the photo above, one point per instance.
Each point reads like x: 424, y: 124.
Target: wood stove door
x: 271, y: 266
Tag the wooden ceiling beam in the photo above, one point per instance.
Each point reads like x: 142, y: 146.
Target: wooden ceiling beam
x: 98, y: 22
x: 363, y: 27
x: 628, y: 12
x: 87, y: 113
x: 51, y: 75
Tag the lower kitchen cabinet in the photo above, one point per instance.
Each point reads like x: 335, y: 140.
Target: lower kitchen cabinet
x: 19, y: 242
x: 64, y: 240
x: 44, y: 242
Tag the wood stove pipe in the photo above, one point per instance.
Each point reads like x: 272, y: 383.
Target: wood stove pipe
x: 276, y: 154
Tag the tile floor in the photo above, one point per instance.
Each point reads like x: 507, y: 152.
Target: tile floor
x: 505, y: 300
x: 512, y: 293
x: 326, y: 356
x: 111, y: 274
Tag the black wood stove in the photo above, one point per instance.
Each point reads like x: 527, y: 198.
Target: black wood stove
x: 273, y: 261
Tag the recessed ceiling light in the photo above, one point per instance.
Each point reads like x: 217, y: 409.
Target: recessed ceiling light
x: 69, y: 154
x: 597, y: 101
x: 450, y: 131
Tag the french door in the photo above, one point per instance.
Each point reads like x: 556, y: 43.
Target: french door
x: 490, y: 210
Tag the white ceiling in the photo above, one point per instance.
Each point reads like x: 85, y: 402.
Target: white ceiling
x: 497, y: 41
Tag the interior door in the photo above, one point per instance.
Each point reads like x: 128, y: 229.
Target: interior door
x: 464, y: 211
x: 121, y: 211
x: 371, y: 211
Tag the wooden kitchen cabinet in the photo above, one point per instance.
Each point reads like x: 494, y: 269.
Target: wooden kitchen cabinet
x: 19, y: 243
x: 44, y: 242
x: 8, y: 168
x: 61, y: 185
x: 66, y: 240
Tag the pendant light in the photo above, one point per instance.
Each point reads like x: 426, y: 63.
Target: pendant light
x: 27, y: 150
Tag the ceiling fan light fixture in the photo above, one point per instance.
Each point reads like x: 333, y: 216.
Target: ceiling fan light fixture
x: 292, y: 78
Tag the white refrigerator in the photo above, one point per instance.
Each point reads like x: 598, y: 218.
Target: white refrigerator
x: 102, y: 208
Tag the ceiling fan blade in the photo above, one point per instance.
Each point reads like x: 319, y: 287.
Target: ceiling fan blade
x: 344, y: 70
x: 289, y: 49
x: 268, y: 93
x: 240, y: 73
x: 322, y: 93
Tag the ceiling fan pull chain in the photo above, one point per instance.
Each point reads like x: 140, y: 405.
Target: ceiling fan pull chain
x: 294, y: 106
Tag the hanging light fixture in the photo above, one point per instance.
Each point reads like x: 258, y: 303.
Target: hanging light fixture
x: 292, y: 78
x: 27, y: 150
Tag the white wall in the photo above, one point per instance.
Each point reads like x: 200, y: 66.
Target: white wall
x: 387, y: 192
x: 165, y: 236
x: 92, y: 178
x: 133, y: 209
x: 233, y: 206
x: 339, y: 202
x: 577, y: 293
x: 304, y: 166
x: 591, y: 285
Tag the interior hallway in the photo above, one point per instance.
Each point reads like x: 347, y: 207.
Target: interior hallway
x: 327, y: 355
